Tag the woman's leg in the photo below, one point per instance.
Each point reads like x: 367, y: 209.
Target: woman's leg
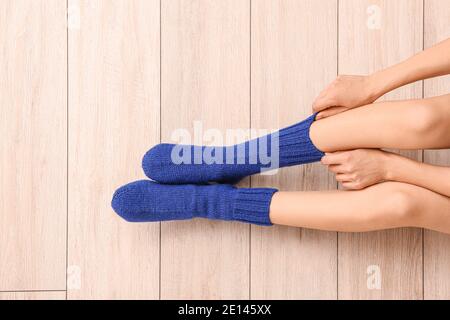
x: 409, y: 124
x: 415, y: 124
x: 382, y: 206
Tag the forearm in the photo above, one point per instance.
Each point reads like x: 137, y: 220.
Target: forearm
x: 434, y: 178
x: 432, y: 62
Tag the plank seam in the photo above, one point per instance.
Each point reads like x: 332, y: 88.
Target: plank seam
x: 423, y: 155
x: 34, y: 290
x: 160, y: 132
x: 250, y: 127
x: 337, y: 184
x: 67, y: 145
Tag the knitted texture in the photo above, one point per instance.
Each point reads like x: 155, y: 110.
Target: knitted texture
x: 144, y: 201
x: 286, y: 147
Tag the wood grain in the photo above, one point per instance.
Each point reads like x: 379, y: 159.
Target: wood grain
x: 228, y: 64
x: 205, y: 77
x: 113, y: 119
x: 33, y: 144
x: 374, y: 35
x: 294, y: 46
x: 436, y: 253
x: 35, y: 295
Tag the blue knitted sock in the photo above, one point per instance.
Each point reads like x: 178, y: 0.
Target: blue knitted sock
x: 177, y: 164
x: 144, y: 200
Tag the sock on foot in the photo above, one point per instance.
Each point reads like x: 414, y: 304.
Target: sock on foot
x: 144, y: 201
x: 292, y: 144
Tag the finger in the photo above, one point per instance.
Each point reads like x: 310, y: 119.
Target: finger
x: 319, y: 97
x: 336, y: 168
x: 330, y: 159
x: 334, y: 152
x: 333, y: 158
x: 349, y: 185
x: 323, y: 103
x: 343, y: 178
x: 352, y: 185
x: 330, y: 112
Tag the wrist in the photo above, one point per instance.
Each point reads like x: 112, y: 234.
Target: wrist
x: 392, y: 167
x: 391, y: 78
x: 402, y: 169
x: 378, y: 84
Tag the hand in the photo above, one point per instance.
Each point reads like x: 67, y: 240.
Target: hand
x: 344, y: 93
x: 358, y: 169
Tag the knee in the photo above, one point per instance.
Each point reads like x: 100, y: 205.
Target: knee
x: 403, y: 204
x: 425, y: 120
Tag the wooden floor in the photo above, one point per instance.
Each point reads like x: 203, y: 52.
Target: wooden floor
x: 87, y: 86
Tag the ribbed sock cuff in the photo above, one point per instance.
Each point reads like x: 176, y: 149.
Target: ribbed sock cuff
x: 296, y: 146
x: 253, y: 205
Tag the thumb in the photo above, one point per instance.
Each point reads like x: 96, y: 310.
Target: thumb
x: 322, y: 103
x: 330, y: 112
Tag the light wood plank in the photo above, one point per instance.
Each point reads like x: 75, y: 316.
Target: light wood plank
x: 35, y: 295
x: 33, y: 144
x: 114, y: 119
x: 294, y: 55
x: 436, y: 253
x: 205, y: 77
x: 374, y: 35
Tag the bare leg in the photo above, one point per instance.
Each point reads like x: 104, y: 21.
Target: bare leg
x: 409, y: 124
x: 382, y: 206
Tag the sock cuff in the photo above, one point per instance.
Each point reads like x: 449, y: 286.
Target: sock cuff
x: 252, y: 205
x: 296, y: 145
